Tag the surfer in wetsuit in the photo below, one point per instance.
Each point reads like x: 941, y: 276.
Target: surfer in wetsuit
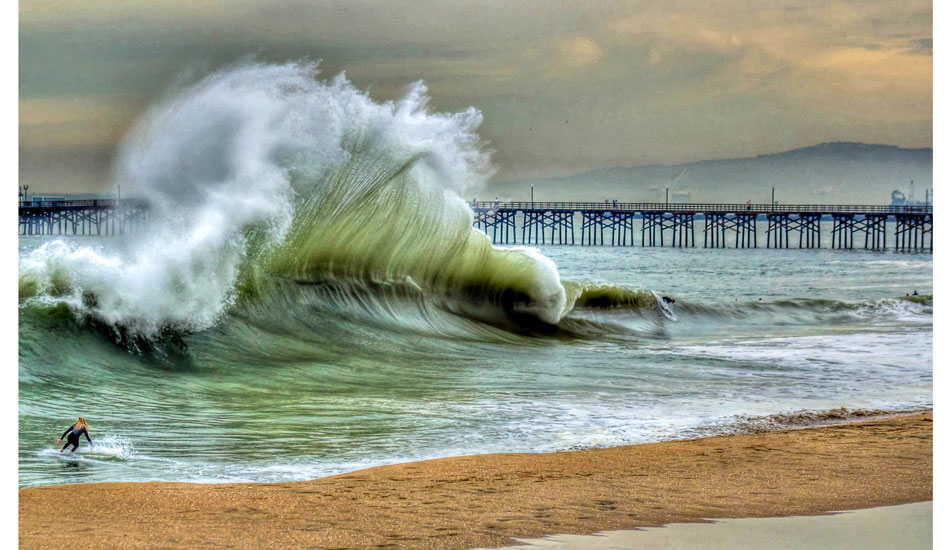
x: 668, y: 300
x: 74, y: 431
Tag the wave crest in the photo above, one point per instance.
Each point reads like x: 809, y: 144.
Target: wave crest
x: 263, y: 171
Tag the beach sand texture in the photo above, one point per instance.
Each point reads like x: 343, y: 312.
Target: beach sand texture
x: 485, y: 500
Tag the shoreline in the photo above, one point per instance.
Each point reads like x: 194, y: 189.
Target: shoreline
x: 489, y: 500
x: 742, y: 425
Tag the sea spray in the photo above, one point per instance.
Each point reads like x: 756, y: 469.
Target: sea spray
x: 262, y: 171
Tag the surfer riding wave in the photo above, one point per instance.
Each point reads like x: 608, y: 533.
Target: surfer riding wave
x: 72, y: 434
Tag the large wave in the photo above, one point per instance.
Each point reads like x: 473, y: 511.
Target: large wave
x: 265, y: 172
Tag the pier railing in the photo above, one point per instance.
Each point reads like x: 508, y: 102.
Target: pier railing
x: 90, y: 203
x: 580, y: 206
x: 698, y: 208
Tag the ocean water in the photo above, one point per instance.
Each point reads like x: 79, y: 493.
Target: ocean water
x: 311, y: 298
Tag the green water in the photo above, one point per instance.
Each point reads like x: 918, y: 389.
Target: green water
x: 335, y: 385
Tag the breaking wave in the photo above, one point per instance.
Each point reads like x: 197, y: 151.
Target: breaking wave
x: 275, y: 195
x: 263, y: 173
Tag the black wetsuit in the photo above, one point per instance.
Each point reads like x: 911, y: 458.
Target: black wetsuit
x: 73, y: 438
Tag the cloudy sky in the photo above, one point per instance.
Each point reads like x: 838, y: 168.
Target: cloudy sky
x: 564, y: 86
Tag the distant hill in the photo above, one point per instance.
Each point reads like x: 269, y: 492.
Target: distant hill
x: 838, y: 172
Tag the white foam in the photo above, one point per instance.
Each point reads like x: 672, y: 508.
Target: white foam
x: 220, y: 157
x: 103, y: 448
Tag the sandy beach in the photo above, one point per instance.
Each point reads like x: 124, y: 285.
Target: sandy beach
x: 486, y: 500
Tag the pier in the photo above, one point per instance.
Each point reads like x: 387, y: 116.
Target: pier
x: 720, y: 225
x: 601, y: 224
x: 101, y: 217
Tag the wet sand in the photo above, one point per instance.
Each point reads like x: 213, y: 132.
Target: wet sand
x: 905, y: 526
x: 486, y: 500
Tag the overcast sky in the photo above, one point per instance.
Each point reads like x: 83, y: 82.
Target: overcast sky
x: 564, y: 87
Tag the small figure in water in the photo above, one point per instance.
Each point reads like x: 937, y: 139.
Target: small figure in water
x: 668, y: 300
x: 74, y: 431
x: 915, y: 294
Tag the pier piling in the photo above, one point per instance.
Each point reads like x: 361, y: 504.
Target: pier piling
x: 102, y: 217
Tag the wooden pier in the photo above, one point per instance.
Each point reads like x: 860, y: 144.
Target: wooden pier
x: 101, y: 217
x: 602, y: 224
x: 723, y: 225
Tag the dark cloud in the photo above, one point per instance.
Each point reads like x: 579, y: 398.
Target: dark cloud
x: 639, y: 82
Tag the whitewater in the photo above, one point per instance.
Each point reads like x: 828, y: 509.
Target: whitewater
x: 310, y: 298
